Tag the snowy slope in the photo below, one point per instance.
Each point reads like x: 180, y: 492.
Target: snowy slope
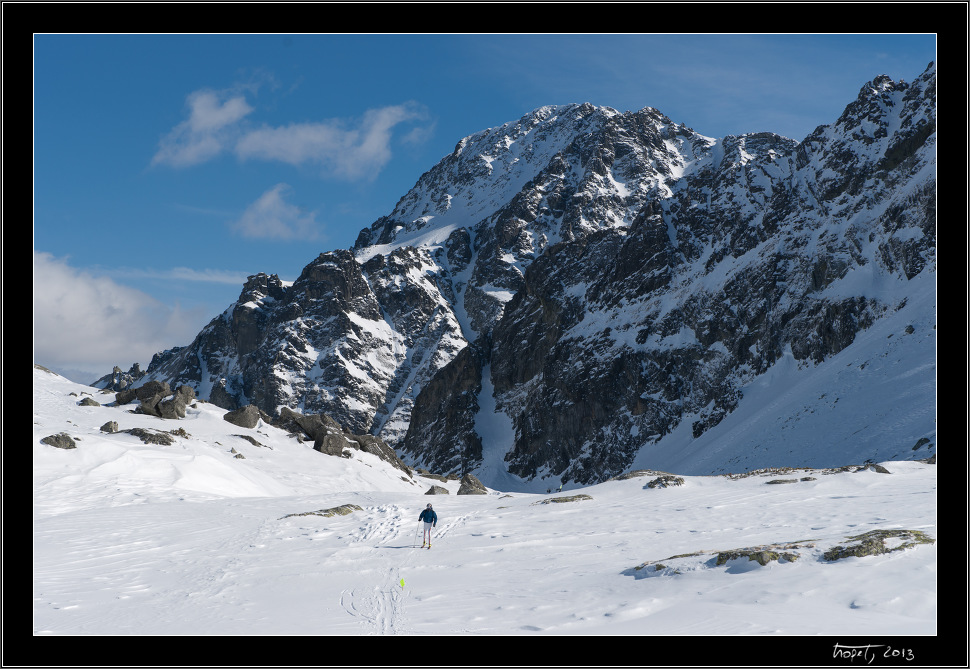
x: 186, y: 539
x: 876, y: 399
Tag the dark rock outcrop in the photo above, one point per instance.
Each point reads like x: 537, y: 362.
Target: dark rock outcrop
x: 442, y: 432
x: 157, y: 399
x: 563, y: 500
x: 471, y: 486
x: 874, y: 543
x: 342, y: 510
x: 330, y: 438
x: 247, y: 416
x: 145, y: 393
x: 666, y: 482
x: 118, y: 380
x: 59, y: 440
x: 175, y: 407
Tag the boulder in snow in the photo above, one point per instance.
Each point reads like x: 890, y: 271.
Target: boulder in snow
x: 471, y: 486
x: 60, y: 440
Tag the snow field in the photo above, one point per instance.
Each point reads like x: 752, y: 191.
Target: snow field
x: 136, y: 539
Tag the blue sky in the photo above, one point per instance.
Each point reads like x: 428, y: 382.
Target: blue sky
x: 167, y: 168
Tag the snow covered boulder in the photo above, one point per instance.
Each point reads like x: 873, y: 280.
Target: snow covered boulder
x: 665, y: 482
x: 174, y: 408
x: 561, y: 500
x: 247, y: 416
x: 876, y: 542
x: 60, y: 440
x: 342, y: 510
x: 151, y: 436
x: 760, y: 555
x: 331, y: 444
x: 437, y: 490
x: 152, y: 397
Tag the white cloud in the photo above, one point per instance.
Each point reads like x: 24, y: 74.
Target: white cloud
x: 347, y: 152
x: 178, y: 274
x: 93, y: 323
x: 209, y: 130
x: 419, y: 135
x: 270, y: 217
x: 209, y: 115
x: 208, y: 275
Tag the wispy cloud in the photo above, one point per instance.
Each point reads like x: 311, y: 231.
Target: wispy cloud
x: 345, y: 151
x: 209, y: 130
x: 419, y: 135
x: 92, y: 322
x: 271, y: 217
x: 207, y: 276
x: 352, y: 150
x: 178, y: 274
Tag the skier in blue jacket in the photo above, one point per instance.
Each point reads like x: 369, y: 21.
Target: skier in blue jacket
x: 430, y: 519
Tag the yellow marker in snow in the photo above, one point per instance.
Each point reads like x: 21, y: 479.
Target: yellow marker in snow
x: 402, y: 582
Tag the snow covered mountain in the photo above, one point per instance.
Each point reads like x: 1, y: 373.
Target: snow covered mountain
x: 583, y: 291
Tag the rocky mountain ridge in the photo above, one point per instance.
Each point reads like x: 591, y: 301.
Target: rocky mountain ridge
x: 582, y: 282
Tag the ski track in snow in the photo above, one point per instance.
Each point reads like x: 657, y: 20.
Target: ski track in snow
x: 381, y: 607
x: 378, y: 606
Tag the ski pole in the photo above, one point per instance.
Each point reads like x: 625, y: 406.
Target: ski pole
x: 416, y: 529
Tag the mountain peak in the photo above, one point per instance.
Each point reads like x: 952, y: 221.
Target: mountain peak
x: 580, y: 290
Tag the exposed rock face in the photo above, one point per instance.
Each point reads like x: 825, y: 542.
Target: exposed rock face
x: 355, y: 342
x: 583, y: 282
x: 442, y: 430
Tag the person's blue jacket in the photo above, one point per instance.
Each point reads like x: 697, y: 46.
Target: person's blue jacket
x: 429, y: 516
